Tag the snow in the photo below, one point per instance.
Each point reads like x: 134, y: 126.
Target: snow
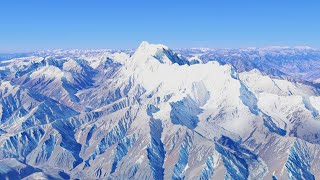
x: 49, y: 72
x: 315, y: 101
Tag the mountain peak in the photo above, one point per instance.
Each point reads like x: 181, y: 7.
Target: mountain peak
x: 144, y: 43
x: 150, y: 48
x: 159, y: 52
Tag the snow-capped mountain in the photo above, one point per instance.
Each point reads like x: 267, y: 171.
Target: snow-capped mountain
x: 152, y: 113
x: 300, y: 63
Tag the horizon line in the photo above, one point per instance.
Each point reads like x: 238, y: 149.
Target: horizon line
x: 16, y: 51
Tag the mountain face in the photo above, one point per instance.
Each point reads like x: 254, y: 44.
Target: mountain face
x: 154, y: 114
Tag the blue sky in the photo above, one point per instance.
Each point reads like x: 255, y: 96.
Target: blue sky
x: 49, y: 24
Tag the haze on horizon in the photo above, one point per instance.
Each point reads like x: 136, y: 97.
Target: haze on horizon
x: 39, y: 25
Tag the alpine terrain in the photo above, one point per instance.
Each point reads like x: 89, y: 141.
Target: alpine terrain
x: 156, y: 113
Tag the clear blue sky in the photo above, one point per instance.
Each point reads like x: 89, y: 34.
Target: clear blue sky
x: 49, y: 24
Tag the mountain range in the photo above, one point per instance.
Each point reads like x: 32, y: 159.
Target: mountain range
x: 157, y: 113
